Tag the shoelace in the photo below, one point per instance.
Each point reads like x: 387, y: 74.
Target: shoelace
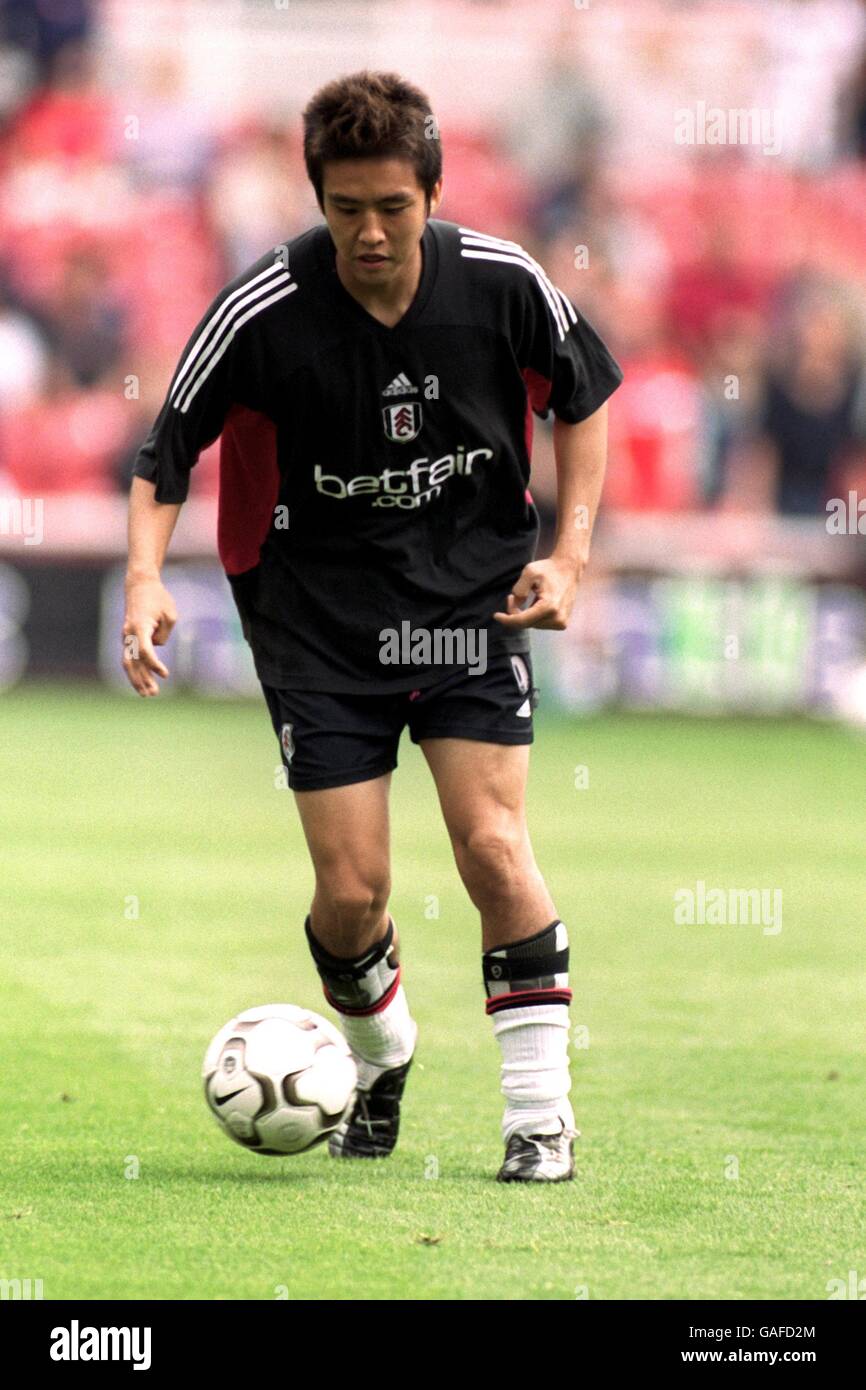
x: 368, y: 1121
x: 549, y: 1142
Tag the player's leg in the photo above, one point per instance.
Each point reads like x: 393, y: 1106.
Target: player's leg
x: 355, y: 947
x: 347, y: 833
x: 481, y: 788
x: 339, y: 752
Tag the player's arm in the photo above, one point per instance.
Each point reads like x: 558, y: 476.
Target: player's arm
x: 567, y: 370
x: 150, y: 611
x: 203, y: 388
x: 580, y: 451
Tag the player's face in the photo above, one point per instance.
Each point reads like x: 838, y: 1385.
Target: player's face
x: 376, y: 212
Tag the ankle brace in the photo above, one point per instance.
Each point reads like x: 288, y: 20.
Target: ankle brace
x: 532, y: 971
x: 363, y: 985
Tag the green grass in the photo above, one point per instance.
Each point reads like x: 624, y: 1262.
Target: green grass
x: 707, y: 1045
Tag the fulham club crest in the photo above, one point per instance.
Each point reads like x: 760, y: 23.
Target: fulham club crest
x: 402, y: 422
x: 287, y: 743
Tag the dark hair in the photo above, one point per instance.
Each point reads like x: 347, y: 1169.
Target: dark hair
x: 372, y: 115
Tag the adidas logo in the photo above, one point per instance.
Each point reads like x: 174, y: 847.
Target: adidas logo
x: 400, y: 386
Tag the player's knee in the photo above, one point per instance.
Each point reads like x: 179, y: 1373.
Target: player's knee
x: 488, y: 856
x: 353, y: 904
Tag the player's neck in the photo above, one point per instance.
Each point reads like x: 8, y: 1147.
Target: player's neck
x: 387, y: 303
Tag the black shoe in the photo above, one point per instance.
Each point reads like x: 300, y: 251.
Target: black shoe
x: 539, y: 1158
x: 370, y: 1130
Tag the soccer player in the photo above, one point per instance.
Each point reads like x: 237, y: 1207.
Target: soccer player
x: 373, y: 383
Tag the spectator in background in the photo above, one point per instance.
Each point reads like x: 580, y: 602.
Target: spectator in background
x: 607, y: 246
x: 70, y: 117
x: 258, y: 195
x: 706, y: 289
x: 42, y: 30
x: 557, y: 137
x: 484, y: 187
x: 64, y: 441
x: 732, y: 372
x: 622, y: 238
x: 654, y: 428
x: 23, y: 355
x: 811, y: 416
x: 82, y: 320
x: 172, y: 141
x: 852, y: 109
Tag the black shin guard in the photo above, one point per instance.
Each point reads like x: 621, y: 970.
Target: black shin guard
x: 532, y: 971
x: 363, y: 985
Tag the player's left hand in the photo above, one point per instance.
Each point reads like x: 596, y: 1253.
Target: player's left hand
x: 550, y: 586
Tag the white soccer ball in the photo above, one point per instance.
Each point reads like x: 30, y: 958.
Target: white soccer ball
x: 279, y: 1079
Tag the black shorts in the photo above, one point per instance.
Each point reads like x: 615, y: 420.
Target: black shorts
x: 330, y: 740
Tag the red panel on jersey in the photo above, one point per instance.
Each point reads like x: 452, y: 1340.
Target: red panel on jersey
x: 249, y: 486
x: 537, y: 396
x: 537, y: 388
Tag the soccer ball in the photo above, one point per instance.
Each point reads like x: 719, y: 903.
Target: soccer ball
x: 279, y: 1079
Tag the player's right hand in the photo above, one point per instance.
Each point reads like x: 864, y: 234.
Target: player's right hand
x: 150, y: 617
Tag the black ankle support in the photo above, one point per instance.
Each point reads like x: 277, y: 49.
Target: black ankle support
x: 362, y: 985
x: 531, y: 971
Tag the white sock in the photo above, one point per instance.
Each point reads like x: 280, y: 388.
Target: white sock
x: 535, y: 1069
x: 384, y: 1039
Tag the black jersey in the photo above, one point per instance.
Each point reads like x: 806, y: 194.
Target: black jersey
x: 371, y: 477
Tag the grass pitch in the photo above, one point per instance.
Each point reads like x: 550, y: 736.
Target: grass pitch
x: 155, y: 881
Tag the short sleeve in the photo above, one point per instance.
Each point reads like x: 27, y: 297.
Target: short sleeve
x: 565, y: 364
x: 201, y: 393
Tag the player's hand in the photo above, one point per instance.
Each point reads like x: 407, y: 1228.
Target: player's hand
x: 550, y: 587
x: 150, y: 617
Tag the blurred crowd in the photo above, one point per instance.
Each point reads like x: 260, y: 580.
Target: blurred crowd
x: 731, y: 293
